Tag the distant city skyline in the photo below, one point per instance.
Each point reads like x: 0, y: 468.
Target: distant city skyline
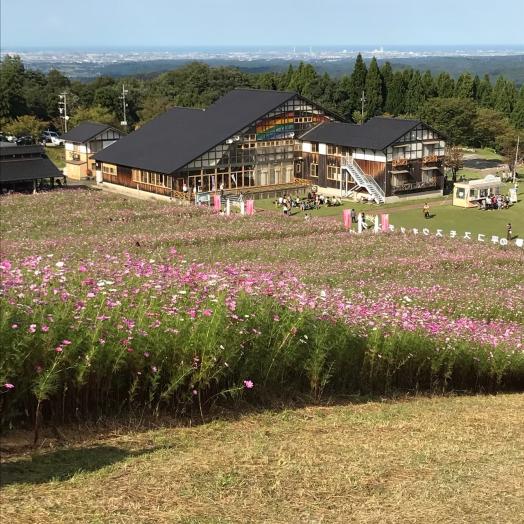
x: 229, y: 23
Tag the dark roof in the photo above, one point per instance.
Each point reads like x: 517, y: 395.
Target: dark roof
x: 11, y: 150
x: 377, y: 133
x: 85, y: 131
x: 26, y: 163
x: 177, y: 137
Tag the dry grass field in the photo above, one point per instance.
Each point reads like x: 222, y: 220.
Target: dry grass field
x: 454, y: 459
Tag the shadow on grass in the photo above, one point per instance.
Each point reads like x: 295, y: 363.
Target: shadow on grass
x: 62, y: 464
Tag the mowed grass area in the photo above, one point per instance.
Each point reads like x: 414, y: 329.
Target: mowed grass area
x: 57, y: 155
x: 455, y: 459
x: 447, y: 217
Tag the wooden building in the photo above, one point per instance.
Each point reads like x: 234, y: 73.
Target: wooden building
x: 245, y: 142
x: 387, y: 157
x: 26, y: 168
x: 81, y: 144
x: 251, y: 141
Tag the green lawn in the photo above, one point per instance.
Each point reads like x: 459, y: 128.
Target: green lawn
x: 487, y: 153
x: 57, y: 155
x: 445, y: 216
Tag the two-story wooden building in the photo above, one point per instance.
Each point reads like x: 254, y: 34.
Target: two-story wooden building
x: 387, y: 157
x: 251, y: 140
x: 81, y: 144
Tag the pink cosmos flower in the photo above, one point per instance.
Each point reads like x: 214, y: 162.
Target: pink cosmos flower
x: 207, y: 312
x: 66, y: 342
x: 8, y: 385
x: 45, y: 328
x: 32, y: 328
x: 14, y: 326
x: 146, y: 354
x: 248, y: 384
x: 82, y: 269
x: 59, y: 349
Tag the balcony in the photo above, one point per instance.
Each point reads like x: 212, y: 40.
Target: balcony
x: 430, y: 159
x: 400, y: 162
x: 416, y: 186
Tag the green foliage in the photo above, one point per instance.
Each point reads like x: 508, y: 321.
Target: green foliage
x: 26, y: 125
x: 94, y: 114
x: 374, y: 90
x: 415, y: 94
x: 451, y: 116
x: 358, y: 83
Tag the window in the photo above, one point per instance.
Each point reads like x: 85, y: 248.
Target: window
x: 460, y: 193
x: 314, y: 147
x: 313, y: 172
x: 110, y: 170
x: 333, y: 150
x: 333, y: 173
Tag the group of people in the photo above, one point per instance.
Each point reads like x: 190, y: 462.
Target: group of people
x: 494, y: 202
x: 313, y: 201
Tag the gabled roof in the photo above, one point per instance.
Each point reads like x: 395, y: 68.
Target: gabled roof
x: 377, y: 133
x: 23, y: 163
x: 85, y: 131
x: 180, y: 135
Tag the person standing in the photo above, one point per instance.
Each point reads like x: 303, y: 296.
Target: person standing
x: 509, y: 234
x: 426, y: 210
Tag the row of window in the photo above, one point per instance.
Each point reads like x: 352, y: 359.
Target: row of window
x: 148, y: 177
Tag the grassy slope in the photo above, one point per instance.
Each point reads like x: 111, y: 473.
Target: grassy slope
x: 426, y: 460
x: 57, y: 155
x: 447, y: 217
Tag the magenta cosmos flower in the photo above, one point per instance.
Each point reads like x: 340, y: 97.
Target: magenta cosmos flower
x: 248, y: 384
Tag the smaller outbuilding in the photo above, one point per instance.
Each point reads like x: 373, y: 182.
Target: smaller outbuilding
x: 26, y: 167
x: 81, y: 144
x: 471, y: 192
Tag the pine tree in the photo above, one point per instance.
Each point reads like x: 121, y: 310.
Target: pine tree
x: 387, y: 77
x: 395, y: 102
x: 342, y: 97
x: 415, y: 97
x: 464, y: 86
x: 358, y: 82
x: 504, y: 96
x: 485, y: 92
x: 373, y: 90
x: 445, y: 86
x: 476, y: 86
x: 517, y: 116
x: 12, y: 102
x: 429, y: 85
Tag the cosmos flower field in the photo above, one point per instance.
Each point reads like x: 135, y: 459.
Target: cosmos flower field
x: 111, y: 305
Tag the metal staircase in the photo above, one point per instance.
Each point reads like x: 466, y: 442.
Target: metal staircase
x: 362, y: 180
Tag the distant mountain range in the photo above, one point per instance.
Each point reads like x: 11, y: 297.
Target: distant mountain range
x: 88, y: 65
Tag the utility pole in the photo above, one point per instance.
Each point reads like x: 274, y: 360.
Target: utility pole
x: 516, y: 159
x: 62, y: 108
x: 124, y: 105
x: 363, y: 100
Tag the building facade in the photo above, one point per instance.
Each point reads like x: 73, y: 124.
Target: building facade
x: 253, y: 140
x: 82, y: 143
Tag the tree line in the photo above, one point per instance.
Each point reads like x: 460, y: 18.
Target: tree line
x: 469, y: 110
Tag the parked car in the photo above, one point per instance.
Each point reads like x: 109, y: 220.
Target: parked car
x: 11, y: 138
x: 25, y: 141
x: 52, y: 137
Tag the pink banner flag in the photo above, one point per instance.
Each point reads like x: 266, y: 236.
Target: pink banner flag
x: 346, y: 214
x: 384, y: 219
x: 250, y: 207
x: 217, y: 203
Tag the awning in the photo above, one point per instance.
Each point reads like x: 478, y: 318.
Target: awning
x: 402, y: 145
x: 431, y: 168
x: 429, y: 142
x: 399, y: 171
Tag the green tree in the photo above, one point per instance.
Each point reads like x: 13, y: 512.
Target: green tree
x: 453, y: 117
x: 395, y: 101
x: 428, y: 84
x: 464, y: 86
x: 358, y: 83
x: 445, y: 86
x: 12, y: 74
x: 342, y: 96
x: 386, y: 72
x: 488, y: 126
x: 485, y: 92
x: 26, y: 125
x: 504, y: 96
x: 98, y: 114
x: 517, y: 116
x: 373, y: 89
x: 415, y: 95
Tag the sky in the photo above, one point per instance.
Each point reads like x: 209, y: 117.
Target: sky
x: 207, y: 23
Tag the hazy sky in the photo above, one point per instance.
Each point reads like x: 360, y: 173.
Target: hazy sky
x: 171, y: 23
